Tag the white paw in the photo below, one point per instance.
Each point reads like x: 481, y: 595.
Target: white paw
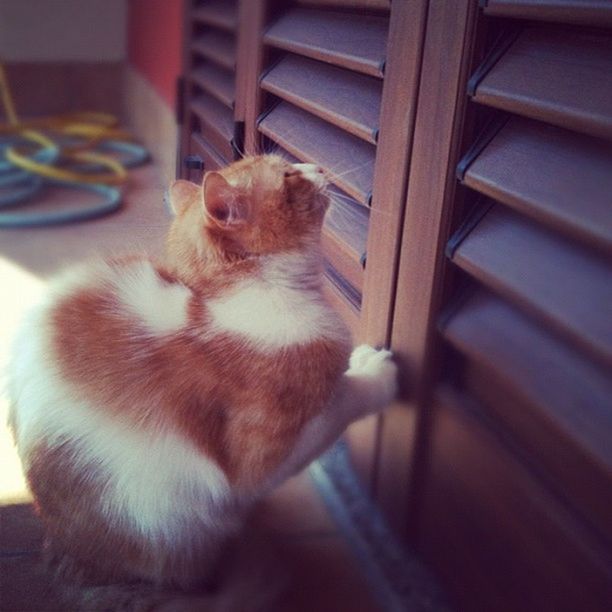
x: 378, y: 366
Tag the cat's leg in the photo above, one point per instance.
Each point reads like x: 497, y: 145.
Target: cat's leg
x: 367, y: 387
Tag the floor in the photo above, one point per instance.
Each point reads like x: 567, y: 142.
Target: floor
x: 324, y: 576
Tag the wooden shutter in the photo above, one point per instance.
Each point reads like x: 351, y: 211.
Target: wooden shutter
x: 210, y: 129
x: 331, y: 82
x: 338, y: 88
x: 325, y: 83
x: 520, y: 463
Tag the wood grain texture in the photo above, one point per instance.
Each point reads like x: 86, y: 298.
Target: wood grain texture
x: 218, y: 47
x: 559, y: 178
x: 356, y: 42
x: 349, y: 100
x: 554, y: 401
x: 381, y: 447
x: 425, y: 227
x: 560, y: 75
x: 217, y: 82
x: 348, y: 160
x: 565, y: 287
x: 497, y: 536
x: 592, y: 12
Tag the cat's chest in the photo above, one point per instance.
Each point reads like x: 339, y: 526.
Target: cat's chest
x: 271, y: 316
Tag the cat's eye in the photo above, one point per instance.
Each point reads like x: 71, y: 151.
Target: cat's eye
x: 289, y: 173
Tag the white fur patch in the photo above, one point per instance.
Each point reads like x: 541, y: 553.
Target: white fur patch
x: 313, y: 173
x: 160, y: 306
x: 273, y: 311
x: 158, y: 483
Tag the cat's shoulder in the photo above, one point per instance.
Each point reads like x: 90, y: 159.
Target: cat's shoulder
x: 276, y: 308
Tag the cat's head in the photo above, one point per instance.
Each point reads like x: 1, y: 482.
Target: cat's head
x: 256, y: 206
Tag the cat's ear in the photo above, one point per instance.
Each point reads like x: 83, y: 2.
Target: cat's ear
x: 222, y: 202
x: 181, y: 194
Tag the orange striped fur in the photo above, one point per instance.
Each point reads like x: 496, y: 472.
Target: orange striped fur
x: 154, y: 401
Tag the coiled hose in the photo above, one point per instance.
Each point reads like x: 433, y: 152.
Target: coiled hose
x: 72, y: 150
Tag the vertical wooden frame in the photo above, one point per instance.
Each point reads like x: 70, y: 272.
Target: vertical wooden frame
x: 253, y: 15
x: 187, y: 59
x: 398, y: 106
x: 431, y: 187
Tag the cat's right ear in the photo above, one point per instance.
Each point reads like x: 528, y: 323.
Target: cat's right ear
x: 181, y: 194
x: 223, y: 204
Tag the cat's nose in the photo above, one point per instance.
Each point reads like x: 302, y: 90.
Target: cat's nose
x: 312, y: 172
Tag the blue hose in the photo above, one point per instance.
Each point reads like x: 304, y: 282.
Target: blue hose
x: 24, y: 186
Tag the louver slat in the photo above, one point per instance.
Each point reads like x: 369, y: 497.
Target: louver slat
x: 212, y: 161
x: 559, y: 75
x: 217, y: 123
x: 527, y: 550
x: 345, y: 234
x: 564, y: 286
x: 337, y: 297
x: 349, y: 100
x: 560, y: 178
x: 530, y: 379
x: 217, y: 13
x: 217, y: 47
x: 356, y: 42
x: 217, y: 82
x: 592, y: 12
x: 349, y: 160
x: 353, y: 4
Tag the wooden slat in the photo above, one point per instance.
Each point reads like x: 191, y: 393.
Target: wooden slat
x: 356, y: 42
x: 217, y: 82
x: 352, y: 4
x: 589, y: 12
x: 217, y: 47
x: 345, y: 234
x: 344, y: 307
x: 218, y: 13
x: 346, y: 99
x: 349, y: 160
x: 558, y: 177
x: 212, y: 160
x: 563, y: 285
x: 217, y: 123
x: 495, y: 534
x: 530, y: 381
x: 558, y: 75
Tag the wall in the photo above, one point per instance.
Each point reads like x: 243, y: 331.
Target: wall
x: 63, y: 55
x: 62, y: 30
x: 154, y: 35
x: 154, y: 43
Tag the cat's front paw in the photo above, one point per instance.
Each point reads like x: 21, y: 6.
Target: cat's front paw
x: 378, y: 367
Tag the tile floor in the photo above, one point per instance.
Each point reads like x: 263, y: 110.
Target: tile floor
x: 294, y: 519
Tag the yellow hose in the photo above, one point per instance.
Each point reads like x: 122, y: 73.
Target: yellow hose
x: 90, y: 126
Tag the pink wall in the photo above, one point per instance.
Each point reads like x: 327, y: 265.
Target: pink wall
x: 154, y: 42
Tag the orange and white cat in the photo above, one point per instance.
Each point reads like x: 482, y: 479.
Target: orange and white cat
x: 154, y: 402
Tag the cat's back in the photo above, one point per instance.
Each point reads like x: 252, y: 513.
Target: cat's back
x: 88, y: 314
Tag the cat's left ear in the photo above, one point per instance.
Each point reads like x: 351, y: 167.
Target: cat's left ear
x: 181, y: 194
x: 222, y: 202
